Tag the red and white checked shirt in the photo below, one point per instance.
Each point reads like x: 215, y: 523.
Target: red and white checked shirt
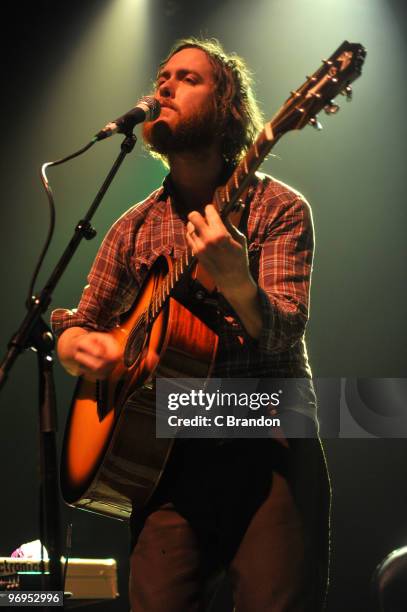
x: 280, y: 244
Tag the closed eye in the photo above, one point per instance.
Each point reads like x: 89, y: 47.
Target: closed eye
x: 183, y: 74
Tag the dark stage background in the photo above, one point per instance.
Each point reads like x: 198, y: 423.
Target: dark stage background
x: 69, y: 68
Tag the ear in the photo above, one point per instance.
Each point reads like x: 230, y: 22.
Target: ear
x: 235, y: 113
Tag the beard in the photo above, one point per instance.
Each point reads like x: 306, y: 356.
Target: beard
x: 192, y: 134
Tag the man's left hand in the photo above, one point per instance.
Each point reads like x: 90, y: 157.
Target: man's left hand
x: 221, y: 248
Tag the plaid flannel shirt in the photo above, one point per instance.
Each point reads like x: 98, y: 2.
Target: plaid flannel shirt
x: 280, y: 244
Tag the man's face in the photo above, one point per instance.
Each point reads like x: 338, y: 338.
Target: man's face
x: 188, y: 119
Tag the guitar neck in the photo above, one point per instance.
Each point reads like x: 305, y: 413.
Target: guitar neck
x: 228, y: 197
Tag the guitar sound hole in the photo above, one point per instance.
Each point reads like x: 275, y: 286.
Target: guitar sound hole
x: 135, y: 342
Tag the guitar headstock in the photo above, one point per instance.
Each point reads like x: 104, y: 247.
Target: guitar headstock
x: 333, y: 77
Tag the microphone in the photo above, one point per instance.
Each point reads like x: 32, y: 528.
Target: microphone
x: 146, y: 109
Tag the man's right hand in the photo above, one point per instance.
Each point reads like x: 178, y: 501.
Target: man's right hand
x: 90, y: 354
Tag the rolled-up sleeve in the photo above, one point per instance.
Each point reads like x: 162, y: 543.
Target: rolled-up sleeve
x: 284, y: 277
x: 110, y: 291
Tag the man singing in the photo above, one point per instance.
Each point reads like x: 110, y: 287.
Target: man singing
x: 256, y: 509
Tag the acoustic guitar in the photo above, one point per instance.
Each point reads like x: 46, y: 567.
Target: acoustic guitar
x: 111, y: 459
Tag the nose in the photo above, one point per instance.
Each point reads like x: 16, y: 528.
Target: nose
x: 167, y: 89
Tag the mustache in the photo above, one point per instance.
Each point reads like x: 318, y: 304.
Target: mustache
x: 168, y: 104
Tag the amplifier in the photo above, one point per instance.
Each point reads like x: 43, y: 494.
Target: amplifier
x: 86, y: 578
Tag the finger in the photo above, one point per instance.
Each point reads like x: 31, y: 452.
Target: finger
x: 91, y: 347
x: 88, y: 362
x: 189, y: 234
x: 215, y: 221
x: 89, y: 351
x: 194, y: 242
x: 198, y: 221
x: 213, y: 218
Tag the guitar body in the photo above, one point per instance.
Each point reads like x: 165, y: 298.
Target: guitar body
x: 111, y: 459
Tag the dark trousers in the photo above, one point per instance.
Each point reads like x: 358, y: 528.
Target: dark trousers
x: 256, y: 508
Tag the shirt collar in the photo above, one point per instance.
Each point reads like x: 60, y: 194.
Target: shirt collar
x: 168, y: 188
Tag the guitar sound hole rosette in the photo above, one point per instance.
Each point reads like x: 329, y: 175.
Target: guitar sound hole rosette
x: 135, y: 343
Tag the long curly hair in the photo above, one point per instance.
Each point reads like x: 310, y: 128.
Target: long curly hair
x: 239, y: 115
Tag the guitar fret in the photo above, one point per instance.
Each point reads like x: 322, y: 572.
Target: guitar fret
x: 263, y: 140
x: 268, y: 133
x: 242, y: 171
x: 220, y: 197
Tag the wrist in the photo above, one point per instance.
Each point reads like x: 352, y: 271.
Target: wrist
x: 241, y: 293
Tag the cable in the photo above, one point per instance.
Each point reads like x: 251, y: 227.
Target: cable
x: 51, y: 203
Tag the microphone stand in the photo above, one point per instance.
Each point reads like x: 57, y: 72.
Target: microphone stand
x: 34, y: 333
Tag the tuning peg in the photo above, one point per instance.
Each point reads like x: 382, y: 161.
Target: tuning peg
x: 331, y: 108
x: 315, y: 123
x: 348, y: 92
